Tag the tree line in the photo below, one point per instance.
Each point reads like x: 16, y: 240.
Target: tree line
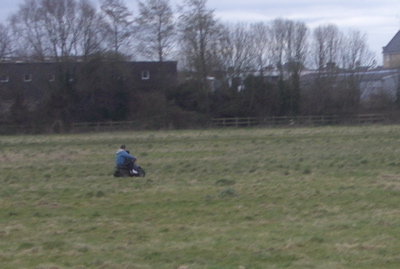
x: 240, y: 69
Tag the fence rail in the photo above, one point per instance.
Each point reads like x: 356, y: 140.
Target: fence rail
x: 103, y: 126
x: 249, y: 121
x: 300, y: 120
x: 143, y: 124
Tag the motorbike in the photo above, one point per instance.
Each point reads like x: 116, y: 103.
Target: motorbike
x: 123, y: 171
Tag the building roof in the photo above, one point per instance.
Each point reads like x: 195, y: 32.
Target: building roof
x: 394, y: 45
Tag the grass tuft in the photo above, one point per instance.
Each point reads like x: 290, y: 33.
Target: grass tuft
x: 228, y: 192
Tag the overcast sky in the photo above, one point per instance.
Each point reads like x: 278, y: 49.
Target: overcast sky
x: 379, y: 19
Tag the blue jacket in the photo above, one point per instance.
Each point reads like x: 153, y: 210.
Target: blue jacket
x: 123, y: 157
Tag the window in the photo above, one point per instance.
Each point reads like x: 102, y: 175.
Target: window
x: 27, y: 77
x: 71, y: 78
x: 4, y: 78
x: 145, y: 74
x: 52, y: 78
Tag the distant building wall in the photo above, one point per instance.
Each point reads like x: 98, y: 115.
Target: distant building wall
x: 391, y: 60
x: 30, y: 80
x: 90, y: 85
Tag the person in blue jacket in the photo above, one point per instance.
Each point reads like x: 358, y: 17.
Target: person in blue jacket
x: 124, y: 158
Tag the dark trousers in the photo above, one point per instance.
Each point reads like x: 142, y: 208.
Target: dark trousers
x: 130, y: 164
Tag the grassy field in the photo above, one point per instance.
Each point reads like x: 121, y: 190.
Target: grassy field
x: 323, y: 197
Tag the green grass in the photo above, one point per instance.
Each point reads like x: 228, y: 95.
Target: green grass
x: 229, y: 198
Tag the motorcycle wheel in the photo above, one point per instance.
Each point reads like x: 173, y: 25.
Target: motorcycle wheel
x: 117, y: 173
x: 141, y: 172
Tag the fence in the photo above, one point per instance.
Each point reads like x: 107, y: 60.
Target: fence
x: 148, y: 123
x: 248, y: 122
x: 300, y: 120
x: 145, y: 124
x: 103, y: 126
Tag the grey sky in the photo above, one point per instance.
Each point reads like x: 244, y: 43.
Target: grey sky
x: 380, y: 20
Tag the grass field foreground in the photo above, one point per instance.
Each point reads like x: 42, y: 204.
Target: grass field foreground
x: 325, y: 197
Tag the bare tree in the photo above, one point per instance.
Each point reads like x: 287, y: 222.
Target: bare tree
x: 341, y: 58
x: 354, y: 52
x: 279, y: 42
x: 236, y: 49
x: 355, y: 57
x: 320, y: 94
x: 29, y: 38
x: 298, y: 43
x: 157, y: 28
x: 200, y: 35
x: 59, y: 21
x: 290, y: 42
x: 260, y: 37
x: 5, y: 42
x: 90, y: 24
x: 119, y: 26
x: 326, y: 44
x: 50, y: 28
x: 296, y: 56
x: 62, y: 30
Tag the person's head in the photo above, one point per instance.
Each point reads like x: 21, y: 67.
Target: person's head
x: 123, y: 147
